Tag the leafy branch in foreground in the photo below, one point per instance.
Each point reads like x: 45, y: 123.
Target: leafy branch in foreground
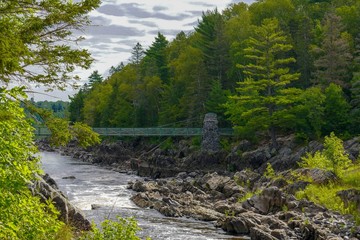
x: 22, y: 216
x: 61, y: 130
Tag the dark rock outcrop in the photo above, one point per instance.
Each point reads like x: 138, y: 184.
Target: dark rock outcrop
x: 46, y: 188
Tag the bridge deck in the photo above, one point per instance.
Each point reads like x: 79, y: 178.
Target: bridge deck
x: 43, y: 131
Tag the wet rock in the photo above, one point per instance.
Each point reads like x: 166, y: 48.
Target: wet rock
x: 95, y: 206
x: 69, y: 177
x: 235, y: 225
x: 46, y: 188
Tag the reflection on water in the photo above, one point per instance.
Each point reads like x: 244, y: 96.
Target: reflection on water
x: 106, y: 190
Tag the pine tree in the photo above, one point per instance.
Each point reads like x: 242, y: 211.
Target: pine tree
x: 137, y: 54
x: 95, y: 78
x: 265, y: 96
x: 334, y: 60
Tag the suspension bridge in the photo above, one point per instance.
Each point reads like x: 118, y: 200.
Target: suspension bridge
x: 144, y: 132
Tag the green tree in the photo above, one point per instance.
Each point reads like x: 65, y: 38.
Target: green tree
x: 336, y: 110
x: 77, y: 104
x: 355, y: 89
x: 216, y: 100
x: 118, y: 68
x: 94, y: 79
x: 238, y: 28
x: 156, y: 60
x: 265, y: 96
x: 33, y: 36
x: 310, y: 113
x: 22, y: 216
x: 332, y: 64
x: 137, y: 54
x: 32, y: 50
x: 283, y: 10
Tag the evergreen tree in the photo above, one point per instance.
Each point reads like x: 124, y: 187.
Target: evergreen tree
x: 76, y: 105
x: 116, y: 69
x: 137, y: 54
x: 95, y: 78
x: 265, y: 96
x: 214, y: 46
x: 355, y: 89
x: 216, y: 100
x: 156, y: 61
x: 332, y: 66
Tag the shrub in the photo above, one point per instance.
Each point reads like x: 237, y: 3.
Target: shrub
x: 114, y: 230
x: 332, y: 158
x: 269, y: 172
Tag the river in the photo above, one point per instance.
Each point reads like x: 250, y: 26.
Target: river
x: 107, y: 190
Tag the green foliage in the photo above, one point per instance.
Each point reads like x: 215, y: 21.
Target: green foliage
x: 248, y: 195
x: 95, y: 78
x: 167, y: 144
x: 310, y: 113
x: 196, y: 141
x: 326, y: 195
x: 32, y: 45
x: 332, y: 158
x: 114, y: 230
x: 351, y: 177
x: 84, y: 135
x: 22, y: 216
x: 264, y: 98
x: 59, y: 108
x: 269, y: 172
x: 263, y: 47
x: 336, y: 110
x: 334, y: 54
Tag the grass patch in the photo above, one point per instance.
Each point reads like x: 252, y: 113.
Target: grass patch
x: 351, y: 177
x: 325, y: 195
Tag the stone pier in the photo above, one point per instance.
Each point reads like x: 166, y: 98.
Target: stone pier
x: 211, y: 137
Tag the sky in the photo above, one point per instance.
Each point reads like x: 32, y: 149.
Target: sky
x: 117, y: 25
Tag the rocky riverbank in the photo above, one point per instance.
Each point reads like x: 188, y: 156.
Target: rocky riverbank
x: 270, y: 213
x: 182, y: 181
x: 46, y: 188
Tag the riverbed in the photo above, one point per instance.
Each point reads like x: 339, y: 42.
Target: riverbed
x: 89, y: 186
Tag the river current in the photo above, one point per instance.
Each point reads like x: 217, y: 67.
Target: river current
x: 106, y: 189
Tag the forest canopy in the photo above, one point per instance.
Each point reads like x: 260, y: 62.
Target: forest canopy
x: 273, y: 66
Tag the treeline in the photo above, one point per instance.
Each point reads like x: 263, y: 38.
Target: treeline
x: 59, y: 108
x: 275, y: 66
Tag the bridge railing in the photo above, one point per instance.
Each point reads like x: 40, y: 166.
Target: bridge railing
x: 43, y: 131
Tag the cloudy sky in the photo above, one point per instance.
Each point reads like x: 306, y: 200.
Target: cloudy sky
x: 117, y: 25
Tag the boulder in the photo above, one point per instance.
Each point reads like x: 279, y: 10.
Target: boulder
x: 235, y: 225
x: 270, y: 200
x: 213, y: 181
